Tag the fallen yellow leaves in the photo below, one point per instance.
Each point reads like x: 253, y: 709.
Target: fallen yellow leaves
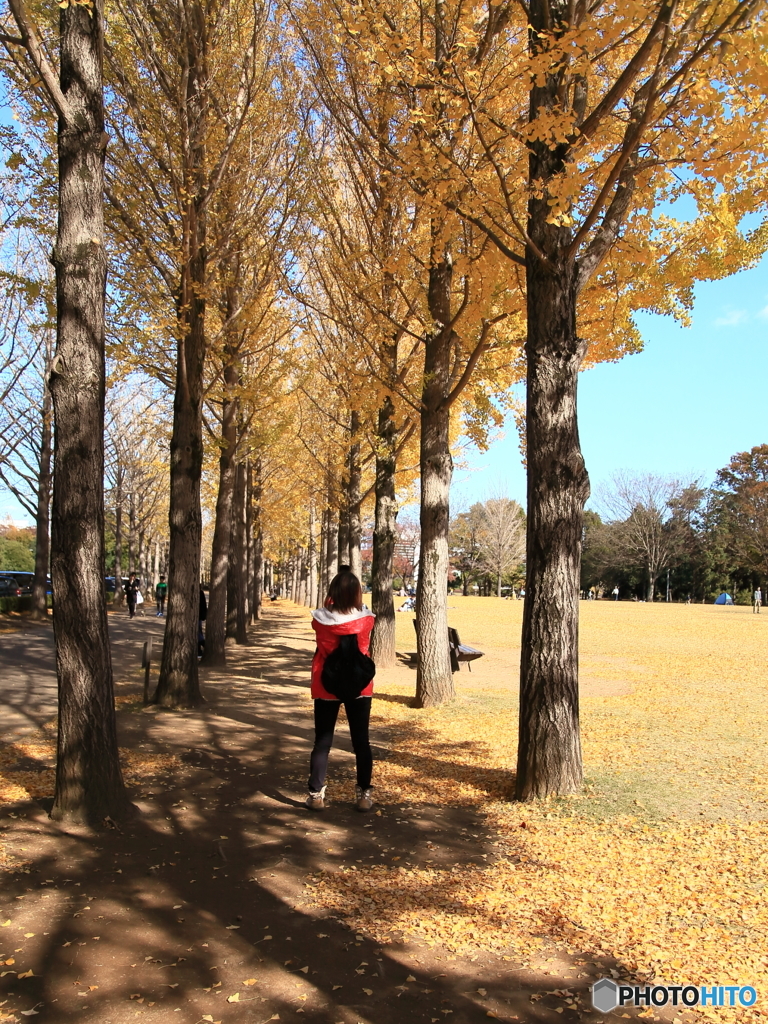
x: 661, y: 865
x: 35, y: 783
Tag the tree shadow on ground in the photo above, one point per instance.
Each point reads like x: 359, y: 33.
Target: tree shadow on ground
x: 202, y: 898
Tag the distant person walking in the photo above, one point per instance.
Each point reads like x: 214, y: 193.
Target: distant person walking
x: 615, y: 593
x: 758, y: 600
x: 131, y: 589
x: 161, y: 592
x: 342, y: 615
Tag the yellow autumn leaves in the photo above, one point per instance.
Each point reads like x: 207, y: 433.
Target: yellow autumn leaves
x: 661, y: 863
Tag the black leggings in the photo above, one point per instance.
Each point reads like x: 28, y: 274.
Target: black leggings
x: 358, y: 716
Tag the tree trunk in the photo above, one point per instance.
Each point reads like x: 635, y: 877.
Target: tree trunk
x: 89, y: 783
x: 303, y: 576
x: 343, y: 533
x: 549, y: 752
x: 312, y: 559
x: 434, y: 681
x: 498, y: 583
x: 132, y: 532
x: 353, y: 502
x: 178, y: 685
x: 549, y: 747
x: 238, y: 567
x: 42, y: 514
x: 332, y: 553
x: 652, y: 584
x: 119, y: 592
x: 383, y: 640
x: 322, y: 561
x: 258, y: 544
x: 143, y: 559
x: 215, y: 623
x: 249, y: 541
x: 156, y: 565
x: 233, y: 556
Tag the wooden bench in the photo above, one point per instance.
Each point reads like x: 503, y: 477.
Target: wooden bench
x: 459, y: 652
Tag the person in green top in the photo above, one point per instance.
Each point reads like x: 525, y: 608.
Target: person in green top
x: 161, y: 591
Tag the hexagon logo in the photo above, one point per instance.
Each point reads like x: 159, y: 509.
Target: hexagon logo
x: 605, y: 995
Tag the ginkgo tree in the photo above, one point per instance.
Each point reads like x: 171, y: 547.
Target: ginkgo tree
x: 465, y: 311
x: 589, y: 123
x: 89, y: 783
x: 185, y: 80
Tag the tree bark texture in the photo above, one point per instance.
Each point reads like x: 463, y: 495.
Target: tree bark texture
x: 332, y: 550
x: 383, y: 640
x: 249, y: 551
x: 549, y: 748
x: 258, y: 544
x: 235, y: 554
x: 89, y: 783
x: 132, y: 531
x: 238, y: 568
x: 178, y: 685
x: 549, y: 751
x: 215, y: 624
x: 353, y: 500
x: 434, y: 681
x: 312, y: 559
x: 43, y: 512
x: 322, y: 561
x: 343, y: 533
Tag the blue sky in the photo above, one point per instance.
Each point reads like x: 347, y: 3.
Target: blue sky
x: 683, y: 406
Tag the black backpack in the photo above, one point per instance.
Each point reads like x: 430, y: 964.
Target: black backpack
x: 347, y: 671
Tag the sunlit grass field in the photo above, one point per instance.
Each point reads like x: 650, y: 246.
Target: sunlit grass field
x: 661, y: 862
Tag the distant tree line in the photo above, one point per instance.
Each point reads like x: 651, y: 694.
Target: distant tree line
x: 661, y: 538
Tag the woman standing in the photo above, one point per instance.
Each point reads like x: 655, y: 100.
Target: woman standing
x: 342, y: 614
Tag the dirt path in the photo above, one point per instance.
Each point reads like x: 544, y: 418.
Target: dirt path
x: 200, y: 909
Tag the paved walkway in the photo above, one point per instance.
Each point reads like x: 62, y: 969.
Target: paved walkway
x: 28, y: 696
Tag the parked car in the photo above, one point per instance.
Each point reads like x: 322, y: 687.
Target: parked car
x: 109, y: 583
x: 23, y: 579
x: 9, y: 587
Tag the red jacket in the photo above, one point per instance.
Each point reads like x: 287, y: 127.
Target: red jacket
x: 329, y: 627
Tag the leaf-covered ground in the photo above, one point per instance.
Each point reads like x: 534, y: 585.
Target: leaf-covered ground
x: 662, y: 862
x: 448, y: 903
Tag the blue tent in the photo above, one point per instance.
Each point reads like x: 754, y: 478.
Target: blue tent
x: 724, y: 599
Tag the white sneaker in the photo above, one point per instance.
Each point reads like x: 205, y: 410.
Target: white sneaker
x: 316, y: 801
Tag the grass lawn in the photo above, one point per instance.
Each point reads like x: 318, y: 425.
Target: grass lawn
x: 661, y: 862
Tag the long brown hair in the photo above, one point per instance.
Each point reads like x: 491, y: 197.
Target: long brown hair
x: 344, y: 593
